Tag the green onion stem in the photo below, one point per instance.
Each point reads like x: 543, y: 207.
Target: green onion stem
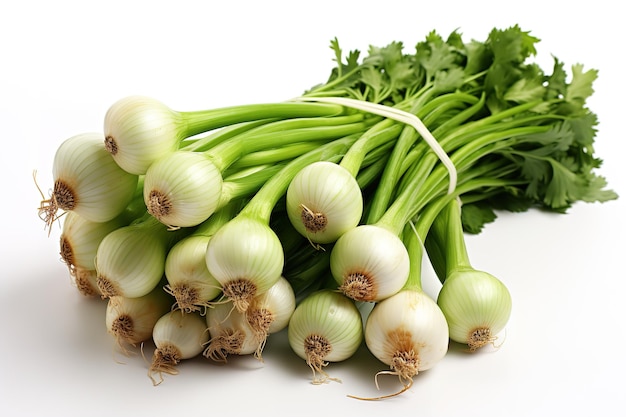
x: 371, y: 172
x: 414, y: 246
x: 379, y: 134
x: 195, y: 122
x: 217, y: 136
x: 271, y: 156
x: 226, y: 153
x: 425, y: 183
x: 220, y: 217
x: 432, y: 181
x: 417, y: 231
x: 246, y: 182
x: 430, y: 113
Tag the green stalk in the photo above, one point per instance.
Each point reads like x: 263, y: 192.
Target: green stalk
x: 414, y: 246
x: 246, y: 182
x: 395, y: 167
x: 195, y: 122
x: 221, y: 216
x: 201, y: 144
x: 477, y: 305
x: 376, y: 136
x: 370, y: 173
x: 226, y: 153
x: 464, y: 159
x: 271, y: 156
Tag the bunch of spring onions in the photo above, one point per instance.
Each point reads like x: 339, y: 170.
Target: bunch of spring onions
x: 208, y: 231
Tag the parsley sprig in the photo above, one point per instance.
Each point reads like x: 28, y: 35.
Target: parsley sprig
x: 532, y: 127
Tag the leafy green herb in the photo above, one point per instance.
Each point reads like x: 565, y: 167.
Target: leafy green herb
x: 552, y: 167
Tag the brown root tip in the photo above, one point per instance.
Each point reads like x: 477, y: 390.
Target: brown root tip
x: 67, y: 252
x: 313, y: 221
x: 406, y: 385
x: 84, y: 282
x: 110, y: 145
x: 64, y: 195
x: 123, y: 330
x: 123, y: 327
x: 359, y: 287
x: 404, y: 364
x: 187, y: 298
x: 480, y: 337
x: 63, y: 198
x: 164, y: 360
x: 316, y: 348
x: 107, y: 287
x: 159, y: 204
x: 241, y: 292
x: 227, y: 343
x: 260, y: 320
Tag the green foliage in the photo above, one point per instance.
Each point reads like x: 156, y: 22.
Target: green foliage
x: 552, y: 168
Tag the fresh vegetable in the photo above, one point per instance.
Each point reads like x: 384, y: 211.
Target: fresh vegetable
x: 130, y: 260
x: 476, y: 304
x: 87, y: 181
x: 177, y: 336
x: 262, y: 216
x: 230, y: 334
x: 271, y: 311
x: 235, y: 333
x: 325, y: 327
x: 248, y: 267
x: 408, y: 331
x: 131, y: 320
x: 131, y: 122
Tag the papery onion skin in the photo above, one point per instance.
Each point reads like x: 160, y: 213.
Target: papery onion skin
x: 246, y: 257
x: 187, y: 275
x: 331, y: 315
x: 140, y: 130
x: 477, y: 306
x: 182, y: 189
x: 85, y: 281
x: 131, y: 261
x: 324, y: 201
x: 88, y: 181
x: 409, y: 321
x: 373, y: 255
x: 186, y: 331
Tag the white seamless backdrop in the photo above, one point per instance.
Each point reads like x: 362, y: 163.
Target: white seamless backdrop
x: 65, y: 62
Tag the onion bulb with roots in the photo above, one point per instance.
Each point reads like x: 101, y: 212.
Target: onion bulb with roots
x: 370, y: 263
x: 408, y: 332
x: 246, y: 257
x: 182, y: 189
x: 230, y: 333
x: 477, y: 307
x: 87, y: 181
x: 188, y: 278
x: 271, y: 311
x: 324, y: 201
x: 131, y: 320
x: 177, y: 336
x: 80, y: 239
x: 325, y: 327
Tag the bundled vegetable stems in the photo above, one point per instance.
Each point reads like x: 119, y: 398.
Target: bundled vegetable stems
x: 208, y: 231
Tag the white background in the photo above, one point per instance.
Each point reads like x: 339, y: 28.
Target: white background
x: 62, y: 63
